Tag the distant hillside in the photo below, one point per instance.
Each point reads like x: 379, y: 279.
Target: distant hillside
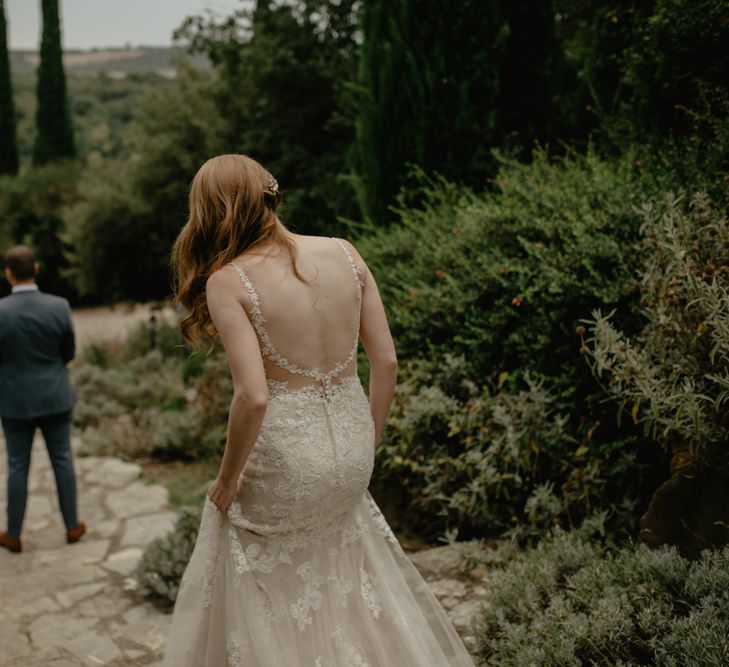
x: 117, y: 63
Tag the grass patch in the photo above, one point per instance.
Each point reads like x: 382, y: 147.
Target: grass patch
x: 186, y: 481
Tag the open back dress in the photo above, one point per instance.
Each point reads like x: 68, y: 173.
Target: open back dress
x: 303, y: 569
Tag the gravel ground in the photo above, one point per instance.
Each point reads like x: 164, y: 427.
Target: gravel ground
x: 113, y: 323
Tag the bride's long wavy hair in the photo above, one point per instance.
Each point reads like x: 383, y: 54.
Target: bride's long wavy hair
x: 233, y: 202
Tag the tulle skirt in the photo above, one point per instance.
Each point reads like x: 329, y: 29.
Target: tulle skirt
x: 334, y: 594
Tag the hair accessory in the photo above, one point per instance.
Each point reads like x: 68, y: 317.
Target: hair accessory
x: 272, y: 188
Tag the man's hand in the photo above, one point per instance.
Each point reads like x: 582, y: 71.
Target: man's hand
x: 222, y: 494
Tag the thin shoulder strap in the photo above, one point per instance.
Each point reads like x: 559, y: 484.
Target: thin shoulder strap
x: 257, y: 318
x: 355, y: 269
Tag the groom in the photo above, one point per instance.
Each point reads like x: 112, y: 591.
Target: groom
x: 36, y: 342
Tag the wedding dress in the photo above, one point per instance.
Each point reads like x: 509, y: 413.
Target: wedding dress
x: 303, y: 569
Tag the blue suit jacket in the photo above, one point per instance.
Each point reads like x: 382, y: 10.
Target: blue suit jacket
x: 36, y: 342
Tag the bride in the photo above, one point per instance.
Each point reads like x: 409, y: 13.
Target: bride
x: 294, y: 564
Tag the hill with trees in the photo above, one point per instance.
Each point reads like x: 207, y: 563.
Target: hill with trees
x: 117, y: 63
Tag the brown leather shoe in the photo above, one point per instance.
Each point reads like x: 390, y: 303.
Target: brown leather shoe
x: 10, y: 543
x: 74, y: 535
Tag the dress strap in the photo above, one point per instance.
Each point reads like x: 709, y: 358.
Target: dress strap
x: 257, y: 318
x: 355, y: 269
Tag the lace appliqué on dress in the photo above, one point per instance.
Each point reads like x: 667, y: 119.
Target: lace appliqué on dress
x: 264, y: 615
x: 278, y: 549
x: 311, y: 598
x: 205, y: 563
x: 385, y: 527
x: 339, y: 587
x: 354, y: 657
x: 369, y: 594
x: 235, y: 650
x: 325, y: 378
x: 267, y: 347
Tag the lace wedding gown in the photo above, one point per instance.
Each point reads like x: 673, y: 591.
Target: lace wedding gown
x: 303, y: 570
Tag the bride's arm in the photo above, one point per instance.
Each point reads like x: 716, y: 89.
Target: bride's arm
x: 379, y: 346
x: 250, y: 394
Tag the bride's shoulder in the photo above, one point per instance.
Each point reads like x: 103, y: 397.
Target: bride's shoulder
x: 321, y: 244
x: 310, y: 239
x: 224, y: 278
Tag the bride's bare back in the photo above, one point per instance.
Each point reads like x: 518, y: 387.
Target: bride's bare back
x: 308, y: 331
x: 311, y: 324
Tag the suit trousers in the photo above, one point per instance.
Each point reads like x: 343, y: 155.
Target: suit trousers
x: 18, y: 441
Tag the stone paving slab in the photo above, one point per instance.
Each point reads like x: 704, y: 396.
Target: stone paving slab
x: 71, y: 605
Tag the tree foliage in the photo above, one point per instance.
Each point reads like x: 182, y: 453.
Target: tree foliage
x: 54, y: 127
x: 8, y: 136
x: 282, y: 92
x: 130, y: 212
x: 32, y: 206
x: 102, y: 108
x: 442, y: 83
x: 654, y: 75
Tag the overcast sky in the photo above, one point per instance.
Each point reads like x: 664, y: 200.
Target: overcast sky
x: 97, y: 23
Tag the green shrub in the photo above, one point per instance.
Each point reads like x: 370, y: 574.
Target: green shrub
x: 98, y: 392
x: 187, y: 434
x: 164, y: 561
x: 201, y: 429
x: 674, y: 375
x: 148, y: 382
x: 167, y: 340
x: 573, y: 601
x: 502, y: 279
x: 487, y: 460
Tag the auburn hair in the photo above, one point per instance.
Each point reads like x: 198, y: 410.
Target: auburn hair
x: 233, y: 202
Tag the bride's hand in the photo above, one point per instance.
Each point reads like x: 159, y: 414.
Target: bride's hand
x: 221, y: 494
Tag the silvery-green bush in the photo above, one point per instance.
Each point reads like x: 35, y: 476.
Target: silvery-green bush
x: 673, y: 377
x: 139, y: 402
x: 573, y: 601
x: 487, y: 460
x: 164, y: 560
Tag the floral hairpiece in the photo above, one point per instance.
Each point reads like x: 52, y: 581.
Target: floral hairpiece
x: 272, y: 187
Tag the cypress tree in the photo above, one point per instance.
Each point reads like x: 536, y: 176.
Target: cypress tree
x: 443, y: 83
x: 53, y: 120
x: 430, y: 77
x: 8, y: 136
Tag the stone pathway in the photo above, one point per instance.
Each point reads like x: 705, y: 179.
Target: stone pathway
x: 67, y: 605
x: 461, y: 592
x: 78, y: 605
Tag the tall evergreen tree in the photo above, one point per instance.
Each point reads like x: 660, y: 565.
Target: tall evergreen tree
x: 8, y: 136
x: 53, y: 119
x: 442, y: 84
x: 430, y: 86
